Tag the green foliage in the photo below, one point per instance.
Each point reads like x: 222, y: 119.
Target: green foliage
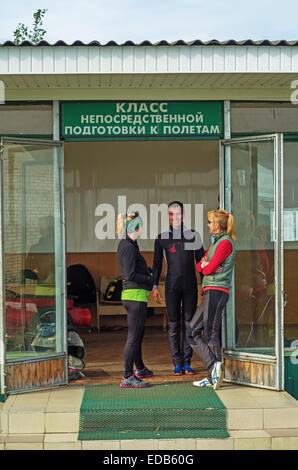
x: 35, y: 35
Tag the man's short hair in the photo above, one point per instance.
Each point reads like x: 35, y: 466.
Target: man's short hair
x: 175, y: 204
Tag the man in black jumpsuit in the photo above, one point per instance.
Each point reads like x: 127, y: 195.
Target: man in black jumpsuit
x: 181, y: 247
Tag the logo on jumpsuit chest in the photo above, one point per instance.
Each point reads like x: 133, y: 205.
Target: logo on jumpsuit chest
x: 173, y: 249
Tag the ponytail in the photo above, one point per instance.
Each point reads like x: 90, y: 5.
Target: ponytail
x: 231, y: 227
x: 120, y: 229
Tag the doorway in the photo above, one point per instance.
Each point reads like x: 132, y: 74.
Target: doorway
x: 149, y: 173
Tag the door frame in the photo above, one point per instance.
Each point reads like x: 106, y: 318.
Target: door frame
x: 4, y: 363
x: 225, y: 203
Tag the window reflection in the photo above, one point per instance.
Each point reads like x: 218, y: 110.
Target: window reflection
x: 291, y: 243
x: 254, y: 292
x: 30, y: 243
x: 252, y: 171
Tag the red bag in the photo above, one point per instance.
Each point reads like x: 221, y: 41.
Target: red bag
x: 80, y: 316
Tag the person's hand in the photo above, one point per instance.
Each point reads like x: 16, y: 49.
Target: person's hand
x: 204, y: 264
x: 218, y: 269
x: 156, y: 296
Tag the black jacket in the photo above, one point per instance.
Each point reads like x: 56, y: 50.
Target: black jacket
x: 133, y: 267
x: 181, y: 248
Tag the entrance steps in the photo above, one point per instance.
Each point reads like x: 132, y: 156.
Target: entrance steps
x: 49, y: 420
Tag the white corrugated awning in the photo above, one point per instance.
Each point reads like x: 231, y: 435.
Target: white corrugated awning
x: 147, y: 60
x: 36, y: 68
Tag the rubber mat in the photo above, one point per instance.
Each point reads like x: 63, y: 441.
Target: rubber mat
x: 173, y: 410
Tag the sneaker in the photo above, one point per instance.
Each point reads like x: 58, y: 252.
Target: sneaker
x: 188, y: 370
x: 217, y: 375
x: 203, y: 383
x: 177, y: 370
x: 143, y: 373
x: 133, y: 382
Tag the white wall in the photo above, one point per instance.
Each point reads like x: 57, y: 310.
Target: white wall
x: 145, y: 172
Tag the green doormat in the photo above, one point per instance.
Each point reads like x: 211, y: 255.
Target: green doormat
x: 173, y: 410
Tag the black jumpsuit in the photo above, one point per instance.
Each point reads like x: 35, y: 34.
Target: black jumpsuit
x: 181, y: 248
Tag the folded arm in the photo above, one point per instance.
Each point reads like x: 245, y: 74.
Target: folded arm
x: 223, y: 250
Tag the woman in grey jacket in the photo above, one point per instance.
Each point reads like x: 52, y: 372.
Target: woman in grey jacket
x: 137, y: 284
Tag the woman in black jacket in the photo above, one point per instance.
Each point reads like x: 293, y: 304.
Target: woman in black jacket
x: 137, y: 284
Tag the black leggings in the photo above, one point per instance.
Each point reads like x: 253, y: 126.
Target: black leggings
x: 136, y: 317
x: 180, y: 349
x: 207, y: 321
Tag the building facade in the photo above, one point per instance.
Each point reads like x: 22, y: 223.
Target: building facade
x: 89, y: 131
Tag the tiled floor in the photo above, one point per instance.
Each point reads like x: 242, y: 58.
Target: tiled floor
x: 49, y: 419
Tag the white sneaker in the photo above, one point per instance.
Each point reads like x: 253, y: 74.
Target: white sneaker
x: 217, y: 375
x: 203, y: 383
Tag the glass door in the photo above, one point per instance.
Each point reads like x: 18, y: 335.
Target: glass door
x: 252, y: 190
x: 33, y: 287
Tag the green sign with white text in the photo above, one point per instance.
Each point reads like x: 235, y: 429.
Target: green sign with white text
x: 141, y: 120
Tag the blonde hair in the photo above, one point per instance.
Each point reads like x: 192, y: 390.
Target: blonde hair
x: 225, y: 220
x: 122, y: 219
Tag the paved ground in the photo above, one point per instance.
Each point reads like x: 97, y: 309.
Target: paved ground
x: 104, y: 356
x: 49, y: 419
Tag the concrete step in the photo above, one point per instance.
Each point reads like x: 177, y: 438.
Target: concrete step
x: 277, y: 439
x: 250, y: 408
x: 49, y: 419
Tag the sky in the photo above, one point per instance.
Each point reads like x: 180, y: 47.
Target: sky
x: 154, y: 20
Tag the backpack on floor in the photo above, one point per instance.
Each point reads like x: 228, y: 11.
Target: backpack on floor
x: 114, y: 290
x: 80, y: 284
